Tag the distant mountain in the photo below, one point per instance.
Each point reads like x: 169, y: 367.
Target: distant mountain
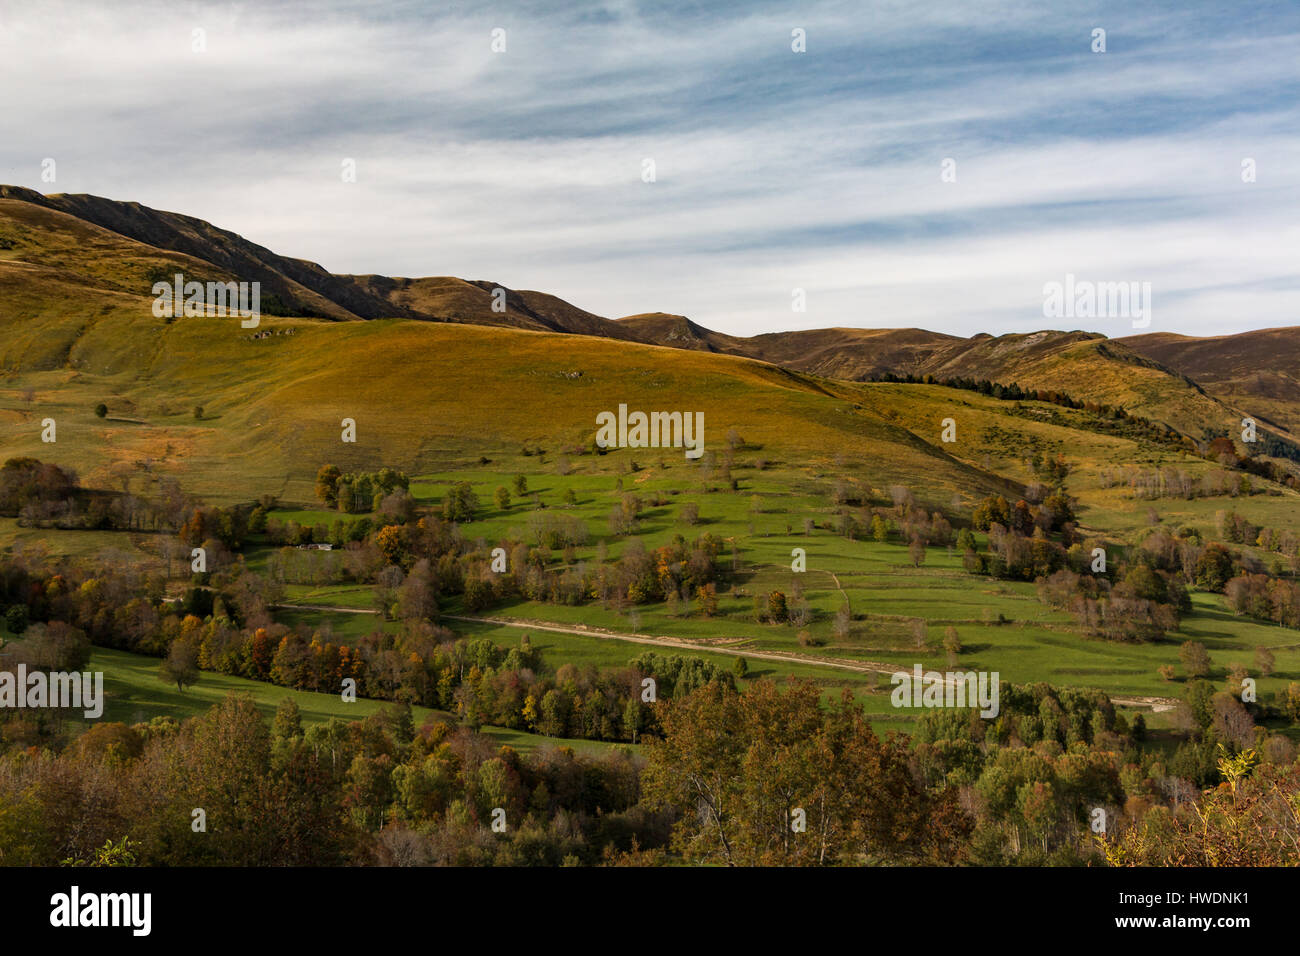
x: 1255, y: 370
x: 851, y: 354
x: 679, y: 332
x: 306, y: 288
x: 1084, y: 365
x: 102, y: 254
x: 302, y: 285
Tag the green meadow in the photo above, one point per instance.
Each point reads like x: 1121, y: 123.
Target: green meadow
x: 900, y: 612
x: 252, y: 418
x: 135, y: 693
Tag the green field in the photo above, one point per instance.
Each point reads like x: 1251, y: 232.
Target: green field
x: 271, y: 413
x: 1001, y: 624
x: 135, y: 693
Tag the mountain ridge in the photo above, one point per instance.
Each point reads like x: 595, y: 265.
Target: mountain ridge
x: 1168, y: 378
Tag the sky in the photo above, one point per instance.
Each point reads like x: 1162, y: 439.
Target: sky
x: 773, y: 170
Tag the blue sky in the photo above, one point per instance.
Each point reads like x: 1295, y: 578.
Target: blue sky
x: 775, y: 170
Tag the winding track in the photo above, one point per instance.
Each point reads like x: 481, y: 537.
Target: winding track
x: 1157, y: 704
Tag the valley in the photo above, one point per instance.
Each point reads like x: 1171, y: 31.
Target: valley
x: 399, y: 486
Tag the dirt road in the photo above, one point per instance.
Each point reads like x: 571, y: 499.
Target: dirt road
x: 725, y: 646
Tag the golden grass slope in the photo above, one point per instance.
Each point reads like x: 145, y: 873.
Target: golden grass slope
x: 88, y: 239
x: 424, y: 397
x: 304, y: 287
x: 76, y: 328
x: 1259, y: 370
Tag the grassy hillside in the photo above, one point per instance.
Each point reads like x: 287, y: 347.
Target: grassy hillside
x: 1001, y: 624
x: 135, y: 694
x: 303, y: 288
x: 1256, y: 370
x: 424, y: 396
x: 61, y: 248
x: 233, y: 413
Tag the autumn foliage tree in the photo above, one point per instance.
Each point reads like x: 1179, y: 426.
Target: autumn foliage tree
x: 770, y: 777
x: 181, y: 665
x: 327, y: 484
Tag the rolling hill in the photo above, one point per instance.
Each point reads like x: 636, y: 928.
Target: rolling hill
x: 794, y: 427
x: 78, y: 329
x: 1085, y: 365
x: 1259, y: 370
x: 305, y: 288
x: 75, y: 279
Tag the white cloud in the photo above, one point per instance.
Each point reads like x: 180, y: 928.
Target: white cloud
x: 774, y: 169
